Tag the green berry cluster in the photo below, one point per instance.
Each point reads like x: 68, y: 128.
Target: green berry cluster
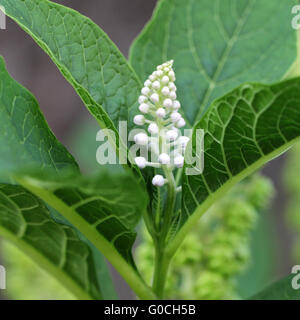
x: 218, y: 249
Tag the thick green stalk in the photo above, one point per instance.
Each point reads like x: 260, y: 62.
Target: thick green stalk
x: 162, y: 261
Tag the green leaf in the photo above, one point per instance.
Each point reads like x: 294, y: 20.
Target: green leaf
x: 242, y: 131
x: 104, y: 279
x: 26, y: 140
x: 26, y: 221
x: 216, y: 46
x: 86, y: 57
x: 105, y: 210
x: 25, y: 137
x: 280, y: 290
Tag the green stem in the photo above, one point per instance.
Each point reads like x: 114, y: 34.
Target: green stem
x: 161, y: 268
x: 162, y: 261
x: 168, y: 214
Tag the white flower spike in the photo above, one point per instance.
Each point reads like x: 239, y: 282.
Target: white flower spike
x: 160, y: 110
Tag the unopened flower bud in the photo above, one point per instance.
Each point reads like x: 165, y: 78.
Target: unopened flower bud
x: 183, y: 141
x: 144, y: 107
x: 165, y: 79
x: 141, y: 138
x: 165, y: 91
x: 145, y: 91
x: 156, y: 85
x: 179, y: 161
x: 139, y: 119
x: 171, y: 75
x: 142, y: 99
x: 161, y: 113
x: 147, y: 83
x: 168, y: 103
x: 176, y: 105
x: 164, y: 158
x: 171, y: 135
x: 155, y: 98
x: 180, y: 123
x: 172, y: 86
x: 173, y: 95
x: 140, y: 162
x: 158, y: 180
x: 153, y: 128
x: 159, y: 73
x: 175, y: 116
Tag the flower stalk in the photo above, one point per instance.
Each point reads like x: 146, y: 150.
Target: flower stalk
x: 159, y: 109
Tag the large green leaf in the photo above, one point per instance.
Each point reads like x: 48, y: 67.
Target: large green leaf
x: 26, y: 221
x: 85, y: 55
x: 105, y: 209
x: 112, y: 204
x: 25, y: 138
x: 242, y: 131
x: 216, y: 45
x: 280, y: 290
x: 26, y: 141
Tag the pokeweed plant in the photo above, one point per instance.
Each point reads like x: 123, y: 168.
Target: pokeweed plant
x: 229, y: 58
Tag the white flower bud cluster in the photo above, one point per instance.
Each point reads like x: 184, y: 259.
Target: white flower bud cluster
x: 159, y: 111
